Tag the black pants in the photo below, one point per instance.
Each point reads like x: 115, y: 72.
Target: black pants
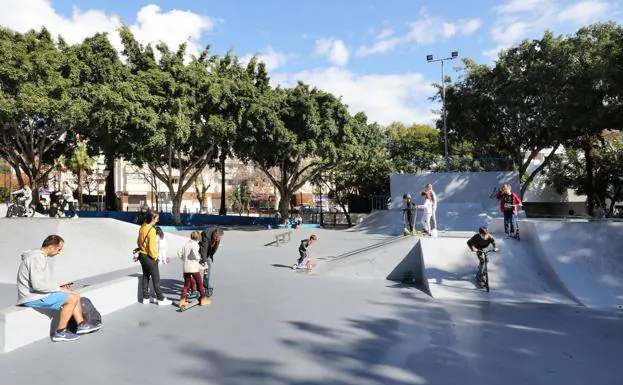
x: 409, y: 215
x: 150, y: 270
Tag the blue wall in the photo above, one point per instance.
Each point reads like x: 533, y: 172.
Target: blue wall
x: 166, y: 219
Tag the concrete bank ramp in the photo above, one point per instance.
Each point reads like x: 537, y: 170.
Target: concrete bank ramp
x: 93, y: 246
x: 463, y: 198
x: 587, y: 257
x: 391, y: 260
x: 515, y: 273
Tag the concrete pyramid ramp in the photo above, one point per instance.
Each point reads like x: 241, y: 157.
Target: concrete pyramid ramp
x: 384, y: 222
x: 387, y: 260
x: 515, y: 273
x: 93, y: 246
x: 587, y: 257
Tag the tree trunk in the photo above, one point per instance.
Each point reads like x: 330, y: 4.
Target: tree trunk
x: 109, y: 189
x: 547, y: 160
x: 176, y: 210
x: 80, y: 186
x: 223, y: 209
x: 590, y: 179
x: 284, y: 205
x: 18, y: 175
x: 343, y: 206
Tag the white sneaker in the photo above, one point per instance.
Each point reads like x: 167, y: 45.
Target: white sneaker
x: 147, y: 301
x: 164, y: 302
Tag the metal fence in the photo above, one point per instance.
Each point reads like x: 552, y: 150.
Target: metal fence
x: 380, y: 202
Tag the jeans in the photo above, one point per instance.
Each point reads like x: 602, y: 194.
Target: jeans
x: 303, y: 257
x: 510, y: 221
x: 150, y: 270
x: 208, y: 274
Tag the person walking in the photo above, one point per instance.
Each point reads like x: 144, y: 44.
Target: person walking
x: 147, y: 243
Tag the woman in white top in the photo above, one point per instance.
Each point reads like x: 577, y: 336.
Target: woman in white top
x: 428, y: 211
x: 433, y: 197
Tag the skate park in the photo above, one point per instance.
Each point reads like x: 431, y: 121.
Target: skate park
x: 553, y: 314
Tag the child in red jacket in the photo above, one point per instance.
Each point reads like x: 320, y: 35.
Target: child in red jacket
x: 509, y: 204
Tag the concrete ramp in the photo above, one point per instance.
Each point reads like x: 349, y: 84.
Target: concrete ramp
x: 463, y: 198
x: 389, y: 260
x: 93, y: 246
x: 515, y: 273
x: 587, y: 257
x: 383, y: 222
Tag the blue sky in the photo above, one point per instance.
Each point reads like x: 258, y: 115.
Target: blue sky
x: 370, y: 53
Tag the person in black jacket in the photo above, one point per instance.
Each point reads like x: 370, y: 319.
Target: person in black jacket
x: 478, y: 243
x: 210, y: 240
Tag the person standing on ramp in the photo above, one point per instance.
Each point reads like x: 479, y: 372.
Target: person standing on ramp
x: 408, y: 213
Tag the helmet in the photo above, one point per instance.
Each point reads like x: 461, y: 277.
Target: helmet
x: 406, y: 196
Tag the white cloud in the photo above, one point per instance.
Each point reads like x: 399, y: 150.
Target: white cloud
x: 272, y: 58
x: 384, y: 98
x: 521, y: 19
x: 518, y: 6
x: 334, y: 50
x: 425, y: 30
x: 152, y: 24
x: 384, y: 34
x: 585, y: 11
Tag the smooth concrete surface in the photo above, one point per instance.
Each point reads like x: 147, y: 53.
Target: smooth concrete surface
x: 515, y: 275
x: 453, y: 187
x: 20, y: 326
x: 390, y: 261
x: 587, y: 257
x: 463, y: 201
x: 93, y: 246
x: 270, y: 325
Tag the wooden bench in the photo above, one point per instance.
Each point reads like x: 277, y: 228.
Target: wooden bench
x: 281, y: 237
x: 20, y: 326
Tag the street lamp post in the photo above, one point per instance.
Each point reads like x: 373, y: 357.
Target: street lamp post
x: 430, y: 59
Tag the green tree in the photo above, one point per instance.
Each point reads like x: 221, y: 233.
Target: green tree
x: 413, y: 149
x: 593, y: 100
x: 80, y: 163
x: 363, y: 169
x: 40, y: 107
x: 181, y: 119
x: 568, y: 171
x: 104, y: 82
x: 298, y: 131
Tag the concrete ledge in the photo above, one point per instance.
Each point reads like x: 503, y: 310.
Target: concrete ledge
x: 20, y: 326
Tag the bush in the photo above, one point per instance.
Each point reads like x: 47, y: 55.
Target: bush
x: 5, y: 194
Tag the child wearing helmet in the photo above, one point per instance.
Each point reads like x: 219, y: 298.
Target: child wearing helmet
x: 408, y: 212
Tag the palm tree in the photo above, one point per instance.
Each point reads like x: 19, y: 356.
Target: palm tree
x: 60, y: 164
x: 80, y: 163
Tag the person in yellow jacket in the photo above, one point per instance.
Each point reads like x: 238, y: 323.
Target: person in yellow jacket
x: 147, y: 243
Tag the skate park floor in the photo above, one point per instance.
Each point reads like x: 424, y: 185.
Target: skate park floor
x: 270, y: 325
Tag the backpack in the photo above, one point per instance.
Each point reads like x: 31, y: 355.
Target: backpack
x: 89, y: 312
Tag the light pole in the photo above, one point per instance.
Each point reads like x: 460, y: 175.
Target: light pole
x: 430, y: 59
